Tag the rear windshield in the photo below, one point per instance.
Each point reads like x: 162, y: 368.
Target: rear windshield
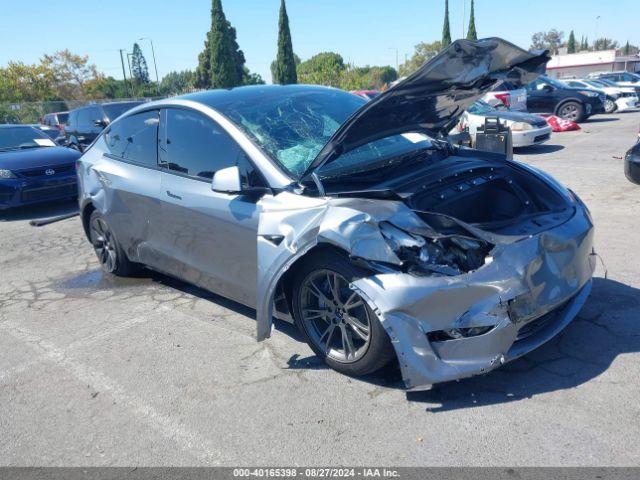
x: 114, y: 110
x: 23, y: 137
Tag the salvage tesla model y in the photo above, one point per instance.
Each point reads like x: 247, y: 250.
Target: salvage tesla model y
x: 354, y: 220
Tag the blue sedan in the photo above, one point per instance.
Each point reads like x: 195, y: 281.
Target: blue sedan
x: 33, y: 169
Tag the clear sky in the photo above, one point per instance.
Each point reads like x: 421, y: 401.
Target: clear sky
x: 363, y: 32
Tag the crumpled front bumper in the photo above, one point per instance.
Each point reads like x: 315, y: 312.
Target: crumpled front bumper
x: 530, y: 291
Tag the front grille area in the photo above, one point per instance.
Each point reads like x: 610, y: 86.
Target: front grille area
x: 46, y: 193
x: 42, y: 171
x: 534, y: 326
x: 542, y: 138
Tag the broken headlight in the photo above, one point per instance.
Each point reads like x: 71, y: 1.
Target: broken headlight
x: 448, y: 255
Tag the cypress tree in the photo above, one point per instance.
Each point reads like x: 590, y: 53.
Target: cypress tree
x: 471, y: 32
x: 585, y: 45
x: 222, y: 69
x: 285, y: 67
x: 238, y: 55
x: 571, y: 44
x: 203, y: 77
x: 627, y: 49
x: 446, y: 31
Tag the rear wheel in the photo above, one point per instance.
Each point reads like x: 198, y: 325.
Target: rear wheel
x: 573, y: 111
x: 109, y: 252
x: 336, y: 321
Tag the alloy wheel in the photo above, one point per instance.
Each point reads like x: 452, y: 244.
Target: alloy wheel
x: 609, y: 105
x: 104, y: 244
x: 334, y: 316
x: 569, y: 112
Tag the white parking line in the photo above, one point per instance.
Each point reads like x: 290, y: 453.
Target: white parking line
x: 186, y: 439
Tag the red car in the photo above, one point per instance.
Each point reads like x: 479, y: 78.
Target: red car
x: 366, y: 94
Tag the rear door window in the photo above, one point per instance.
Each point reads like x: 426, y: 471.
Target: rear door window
x: 135, y: 139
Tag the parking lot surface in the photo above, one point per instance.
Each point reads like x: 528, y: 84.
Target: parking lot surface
x: 99, y: 371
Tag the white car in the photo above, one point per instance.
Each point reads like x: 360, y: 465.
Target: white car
x: 526, y: 129
x: 618, y: 98
x: 621, y: 78
x: 515, y: 100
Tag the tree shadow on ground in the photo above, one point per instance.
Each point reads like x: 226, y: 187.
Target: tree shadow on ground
x: 606, y: 327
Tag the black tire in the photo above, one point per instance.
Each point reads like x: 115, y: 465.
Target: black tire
x: 571, y: 111
x: 110, y: 254
x: 375, y: 353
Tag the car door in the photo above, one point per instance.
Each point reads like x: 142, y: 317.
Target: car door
x: 540, y: 99
x: 129, y: 171
x: 208, y: 238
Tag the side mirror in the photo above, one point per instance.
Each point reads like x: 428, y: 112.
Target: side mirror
x: 545, y: 87
x: 100, y: 123
x: 227, y: 180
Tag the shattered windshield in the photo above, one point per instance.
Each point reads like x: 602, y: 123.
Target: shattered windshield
x: 293, y: 129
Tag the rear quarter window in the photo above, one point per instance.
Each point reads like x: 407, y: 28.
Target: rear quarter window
x: 135, y: 139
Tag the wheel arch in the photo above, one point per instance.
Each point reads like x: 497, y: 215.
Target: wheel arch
x: 284, y: 288
x: 85, y: 215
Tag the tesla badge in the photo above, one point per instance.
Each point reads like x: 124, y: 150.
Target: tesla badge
x: 49, y: 171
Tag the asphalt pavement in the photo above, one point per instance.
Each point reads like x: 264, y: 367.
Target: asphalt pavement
x: 149, y: 371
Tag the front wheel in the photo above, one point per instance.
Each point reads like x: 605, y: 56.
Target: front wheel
x: 109, y: 252
x: 336, y: 321
x: 610, y: 106
x: 573, y: 111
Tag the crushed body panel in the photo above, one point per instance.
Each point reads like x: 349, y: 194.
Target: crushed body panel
x: 527, y: 278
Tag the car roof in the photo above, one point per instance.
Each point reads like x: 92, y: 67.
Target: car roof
x: 252, y: 93
x: 14, y: 125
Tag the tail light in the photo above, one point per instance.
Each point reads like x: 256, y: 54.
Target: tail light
x: 504, y: 98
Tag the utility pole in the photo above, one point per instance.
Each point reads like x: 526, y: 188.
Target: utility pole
x: 126, y: 87
x: 155, y: 66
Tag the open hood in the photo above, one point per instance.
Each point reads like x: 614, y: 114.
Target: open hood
x: 432, y: 98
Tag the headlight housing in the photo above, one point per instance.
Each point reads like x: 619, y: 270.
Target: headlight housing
x: 520, y: 126
x: 589, y: 93
x: 448, y: 255
x: 6, y: 174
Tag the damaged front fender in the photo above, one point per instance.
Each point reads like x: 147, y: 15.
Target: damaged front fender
x: 528, y: 290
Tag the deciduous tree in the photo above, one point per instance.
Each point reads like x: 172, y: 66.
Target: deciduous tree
x: 551, y: 40
x: 423, y: 52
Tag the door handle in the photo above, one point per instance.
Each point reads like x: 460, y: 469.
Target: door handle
x: 172, y: 195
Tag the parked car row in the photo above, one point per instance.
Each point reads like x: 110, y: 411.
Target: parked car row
x: 38, y: 162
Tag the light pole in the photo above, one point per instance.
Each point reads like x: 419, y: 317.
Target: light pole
x: 596, y: 37
x: 155, y: 66
x: 126, y: 87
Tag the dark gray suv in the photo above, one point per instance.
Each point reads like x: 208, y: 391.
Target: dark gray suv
x: 86, y: 123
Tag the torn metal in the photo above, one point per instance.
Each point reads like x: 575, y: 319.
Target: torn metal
x: 447, y: 326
